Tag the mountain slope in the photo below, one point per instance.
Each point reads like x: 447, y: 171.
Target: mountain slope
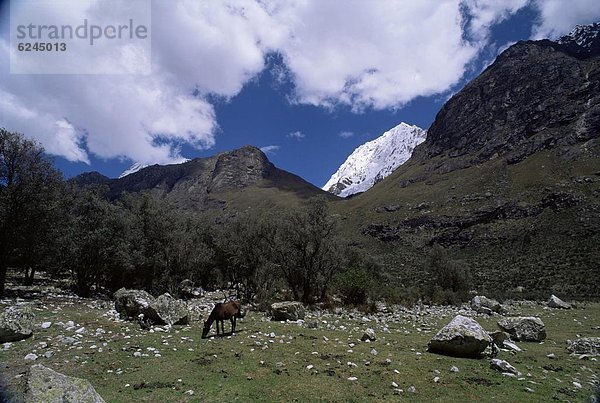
x: 214, y: 182
x: 374, y: 160
x: 507, y: 181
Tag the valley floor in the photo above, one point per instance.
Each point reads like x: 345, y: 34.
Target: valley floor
x: 319, y: 359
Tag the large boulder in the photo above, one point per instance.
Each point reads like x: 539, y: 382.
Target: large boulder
x: 16, y: 323
x: 43, y: 385
x: 462, y: 337
x: 481, y: 304
x: 166, y: 310
x: 524, y: 328
x: 131, y: 303
x: 187, y: 290
x: 585, y: 345
x: 555, y: 302
x: 287, y: 310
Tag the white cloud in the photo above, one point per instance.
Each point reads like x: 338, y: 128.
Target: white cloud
x: 269, y: 149
x: 363, y: 54
x: 298, y: 135
x: 558, y: 17
x: 346, y: 134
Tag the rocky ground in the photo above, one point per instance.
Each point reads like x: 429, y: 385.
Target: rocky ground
x: 325, y: 356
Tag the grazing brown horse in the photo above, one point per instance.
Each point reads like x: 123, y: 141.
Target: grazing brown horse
x: 223, y: 310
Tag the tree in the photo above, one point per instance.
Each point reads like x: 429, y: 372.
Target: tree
x: 307, y: 248
x: 28, y: 194
x: 95, y: 244
x: 243, y: 246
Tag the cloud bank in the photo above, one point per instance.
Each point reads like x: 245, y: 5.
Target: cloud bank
x: 362, y: 54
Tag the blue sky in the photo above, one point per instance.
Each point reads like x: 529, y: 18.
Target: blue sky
x: 311, y: 82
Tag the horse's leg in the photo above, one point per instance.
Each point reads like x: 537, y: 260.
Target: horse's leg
x: 233, y: 325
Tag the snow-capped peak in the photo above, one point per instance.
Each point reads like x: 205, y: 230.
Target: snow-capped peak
x: 374, y: 160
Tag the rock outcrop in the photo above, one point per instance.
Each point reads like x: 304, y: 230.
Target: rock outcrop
x: 524, y: 328
x: 166, y: 310
x: 555, y: 302
x: 287, y: 310
x: 584, y: 345
x: 44, y: 385
x: 462, y: 337
x: 132, y: 303
x: 16, y: 323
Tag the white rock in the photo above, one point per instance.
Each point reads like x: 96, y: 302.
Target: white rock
x: 352, y: 378
x: 31, y: 357
x: 46, y: 325
x: 577, y: 385
x: 394, y: 385
x: 503, y: 366
x: 436, y: 379
x: 454, y: 369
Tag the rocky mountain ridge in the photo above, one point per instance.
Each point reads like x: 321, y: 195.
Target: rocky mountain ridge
x: 199, y: 183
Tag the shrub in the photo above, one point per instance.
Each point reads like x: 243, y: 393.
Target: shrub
x: 354, y: 286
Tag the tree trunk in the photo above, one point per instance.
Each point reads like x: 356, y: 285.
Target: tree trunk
x: 307, y: 294
x: 2, y: 277
x: 29, y: 274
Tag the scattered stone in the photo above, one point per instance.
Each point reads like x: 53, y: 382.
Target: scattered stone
x: 503, y: 366
x: 31, y: 357
x: 511, y: 346
x: 352, y: 378
x: 374, y: 352
x: 187, y: 290
x: 46, y: 325
x: 68, y: 340
x: 394, y: 385
x: 454, y: 369
x: 462, y: 337
x: 412, y: 389
x: 555, y: 302
x: 551, y: 356
x: 436, y: 379
x: 287, y: 310
x: 45, y: 385
x: 482, y: 304
x: 49, y: 354
x: 16, y: 323
x: 189, y: 392
x: 529, y: 390
x: 577, y: 385
x: 584, y: 345
x: 369, y: 334
x: 524, y: 328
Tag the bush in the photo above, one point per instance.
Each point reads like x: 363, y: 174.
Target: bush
x: 354, y: 286
x: 449, y: 281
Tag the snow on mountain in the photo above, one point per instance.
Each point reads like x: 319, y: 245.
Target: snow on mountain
x: 132, y: 169
x: 586, y: 36
x: 139, y: 166
x: 374, y: 160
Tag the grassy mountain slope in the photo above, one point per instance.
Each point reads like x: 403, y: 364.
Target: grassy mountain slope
x: 508, y: 181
